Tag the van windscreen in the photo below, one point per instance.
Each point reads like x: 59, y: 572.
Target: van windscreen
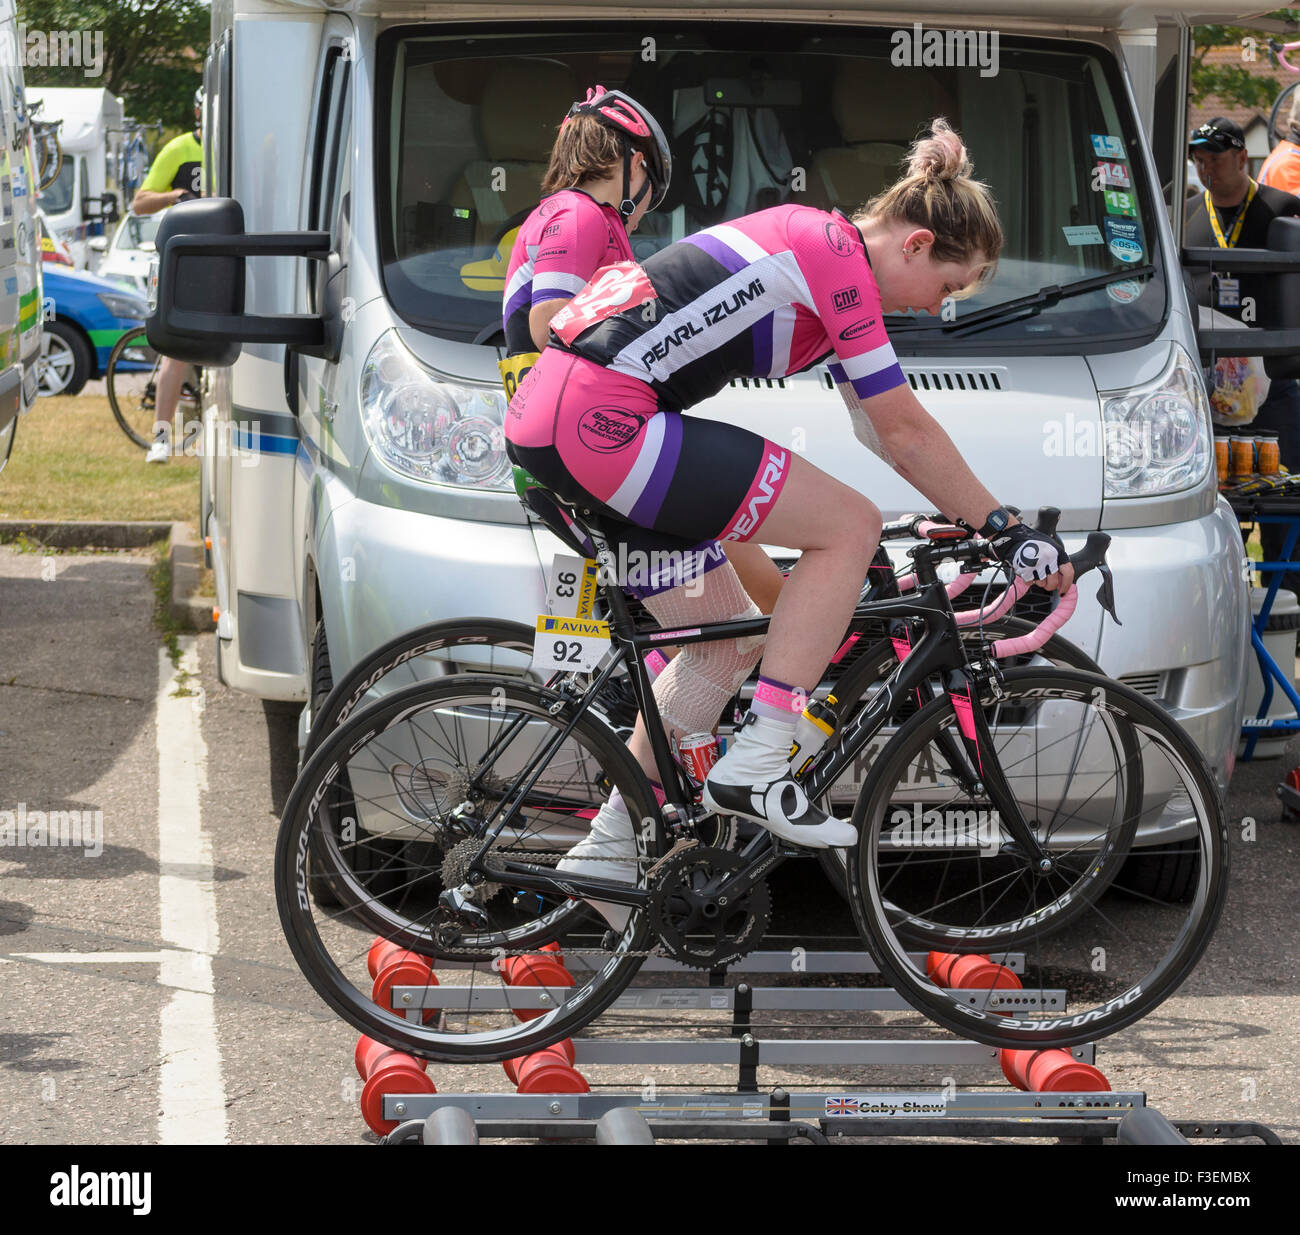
x: 758, y: 116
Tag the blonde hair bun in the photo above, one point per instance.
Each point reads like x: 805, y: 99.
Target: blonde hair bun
x: 941, y: 156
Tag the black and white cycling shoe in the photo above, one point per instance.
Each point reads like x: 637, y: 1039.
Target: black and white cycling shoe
x: 782, y: 807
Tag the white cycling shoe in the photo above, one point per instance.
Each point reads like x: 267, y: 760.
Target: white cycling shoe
x: 611, y: 837
x: 752, y: 781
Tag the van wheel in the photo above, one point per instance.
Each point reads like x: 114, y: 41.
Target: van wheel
x: 7, y: 436
x: 65, y: 360
x: 1169, y: 876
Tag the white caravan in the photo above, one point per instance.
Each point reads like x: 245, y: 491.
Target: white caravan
x: 394, y: 144
x: 86, y: 195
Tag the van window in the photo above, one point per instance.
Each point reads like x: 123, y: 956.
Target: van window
x: 58, y: 197
x: 757, y: 117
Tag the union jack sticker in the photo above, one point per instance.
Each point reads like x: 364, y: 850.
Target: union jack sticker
x: 841, y: 1106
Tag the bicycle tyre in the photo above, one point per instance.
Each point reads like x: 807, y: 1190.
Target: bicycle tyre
x: 298, y: 914
x: 1131, y: 1004
x: 347, y: 694
x: 132, y: 338
x: 880, y: 660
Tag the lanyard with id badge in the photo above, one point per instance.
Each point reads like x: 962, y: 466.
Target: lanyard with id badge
x: 1228, y: 288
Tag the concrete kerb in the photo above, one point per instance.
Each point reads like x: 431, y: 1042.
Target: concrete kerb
x: 184, y: 551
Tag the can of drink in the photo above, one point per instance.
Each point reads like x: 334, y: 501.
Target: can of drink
x: 1243, y: 457
x: 1222, y: 453
x: 698, y: 753
x: 1268, y: 457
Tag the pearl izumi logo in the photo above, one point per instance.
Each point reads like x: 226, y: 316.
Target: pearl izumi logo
x: 945, y: 49
x: 123, y: 1189
x: 944, y: 829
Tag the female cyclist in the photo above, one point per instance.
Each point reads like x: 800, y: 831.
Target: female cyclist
x: 610, y: 165
x: 600, y: 420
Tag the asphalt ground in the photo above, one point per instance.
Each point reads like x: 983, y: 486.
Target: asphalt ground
x: 148, y: 994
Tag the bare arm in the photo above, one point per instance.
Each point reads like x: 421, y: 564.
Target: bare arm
x: 539, y: 318
x: 146, y: 201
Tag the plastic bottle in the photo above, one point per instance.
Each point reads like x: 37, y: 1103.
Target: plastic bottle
x: 814, y: 729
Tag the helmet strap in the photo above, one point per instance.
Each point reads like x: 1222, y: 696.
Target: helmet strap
x: 628, y: 205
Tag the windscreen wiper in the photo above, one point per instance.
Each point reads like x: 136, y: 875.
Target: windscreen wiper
x: 1024, y: 306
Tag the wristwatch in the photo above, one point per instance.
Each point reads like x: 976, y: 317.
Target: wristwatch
x: 996, y: 523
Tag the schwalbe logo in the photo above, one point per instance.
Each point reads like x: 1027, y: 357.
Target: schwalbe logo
x: 858, y: 329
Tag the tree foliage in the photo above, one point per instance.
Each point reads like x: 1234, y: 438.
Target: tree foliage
x: 1239, y: 83
x: 153, y: 51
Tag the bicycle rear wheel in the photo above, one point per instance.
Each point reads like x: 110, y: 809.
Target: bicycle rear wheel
x: 132, y: 394
x: 433, y: 765
x: 1098, y: 952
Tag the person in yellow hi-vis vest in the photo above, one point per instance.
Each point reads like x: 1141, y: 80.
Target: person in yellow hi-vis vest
x: 609, y: 166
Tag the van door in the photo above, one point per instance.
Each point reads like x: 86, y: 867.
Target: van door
x: 313, y: 383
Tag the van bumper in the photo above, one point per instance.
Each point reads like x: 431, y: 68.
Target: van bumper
x: 383, y: 571
x: 1181, y: 591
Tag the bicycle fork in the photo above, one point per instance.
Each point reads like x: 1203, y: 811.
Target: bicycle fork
x: 977, y: 739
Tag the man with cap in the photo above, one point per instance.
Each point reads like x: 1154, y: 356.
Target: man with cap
x: 1234, y: 212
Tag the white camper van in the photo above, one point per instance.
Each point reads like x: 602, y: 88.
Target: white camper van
x: 85, y: 196
x: 20, y: 243
x: 391, y: 147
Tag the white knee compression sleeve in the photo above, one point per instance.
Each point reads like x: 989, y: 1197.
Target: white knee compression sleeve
x: 699, y: 680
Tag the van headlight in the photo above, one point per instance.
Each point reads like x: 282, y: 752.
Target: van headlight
x: 428, y: 427
x: 1157, y: 437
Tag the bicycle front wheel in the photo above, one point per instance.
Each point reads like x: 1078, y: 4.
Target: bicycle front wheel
x: 131, y: 380
x: 1099, y: 773
x: 436, y: 765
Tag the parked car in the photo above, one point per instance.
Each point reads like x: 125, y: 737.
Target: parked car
x: 127, y: 253
x: 90, y: 315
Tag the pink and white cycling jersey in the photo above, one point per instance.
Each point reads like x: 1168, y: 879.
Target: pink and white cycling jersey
x: 557, y: 249
x: 766, y: 295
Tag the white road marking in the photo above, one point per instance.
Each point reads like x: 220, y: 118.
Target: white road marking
x: 92, y: 958
x: 192, y: 1107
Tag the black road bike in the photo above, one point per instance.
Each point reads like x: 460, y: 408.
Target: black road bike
x: 998, y: 819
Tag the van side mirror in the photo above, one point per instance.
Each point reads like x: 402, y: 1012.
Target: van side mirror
x: 1281, y: 307
x: 1275, y: 335
x: 200, y: 318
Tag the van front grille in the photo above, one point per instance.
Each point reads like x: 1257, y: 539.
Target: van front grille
x: 1149, y: 684
x: 978, y: 381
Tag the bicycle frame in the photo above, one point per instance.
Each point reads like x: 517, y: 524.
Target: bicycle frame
x: 940, y: 650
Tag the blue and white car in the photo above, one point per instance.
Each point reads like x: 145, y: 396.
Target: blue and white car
x: 90, y: 314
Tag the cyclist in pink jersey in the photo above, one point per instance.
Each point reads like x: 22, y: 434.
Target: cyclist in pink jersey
x: 600, y: 420
x: 609, y: 167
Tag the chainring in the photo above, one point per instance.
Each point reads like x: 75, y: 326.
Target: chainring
x: 693, y: 927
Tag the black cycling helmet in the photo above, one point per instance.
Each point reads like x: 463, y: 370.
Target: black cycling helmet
x: 619, y: 111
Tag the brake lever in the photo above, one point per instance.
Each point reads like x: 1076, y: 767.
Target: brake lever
x: 1106, y: 593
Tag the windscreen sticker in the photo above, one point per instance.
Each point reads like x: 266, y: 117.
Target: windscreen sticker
x: 1126, y: 291
x: 1088, y: 234
x: 1124, y: 240
x: 1118, y: 202
x: 1113, y: 175
x: 1106, y: 147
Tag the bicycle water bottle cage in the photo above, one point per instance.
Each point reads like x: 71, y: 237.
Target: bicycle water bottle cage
x: 552, y: 511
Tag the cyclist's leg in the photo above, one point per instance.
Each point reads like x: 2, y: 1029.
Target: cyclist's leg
x: 759, y: 575
x: 171, y: 375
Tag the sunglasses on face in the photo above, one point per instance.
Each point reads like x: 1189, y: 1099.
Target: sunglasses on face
x: 1208, y: 131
